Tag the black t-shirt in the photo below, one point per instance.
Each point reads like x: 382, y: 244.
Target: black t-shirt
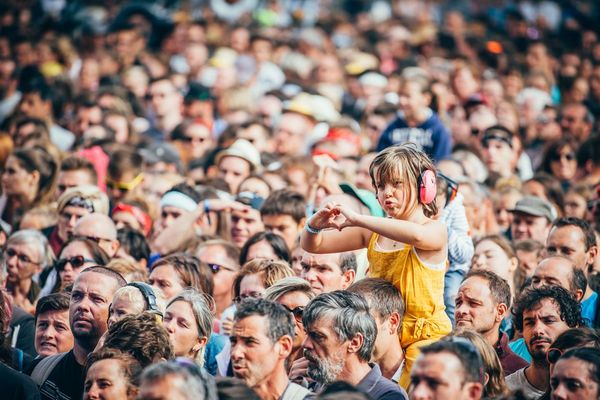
x: 16, y: 385
x: 65, y: 381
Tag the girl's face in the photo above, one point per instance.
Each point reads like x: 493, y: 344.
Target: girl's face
x: 124, y: 305
x: 180, y: 323
x: 165, y: 278
x: 575, y: 205
x: 564, y: 164
x: 489, y: 256
x: 105, y: 380
x: 395, y: 196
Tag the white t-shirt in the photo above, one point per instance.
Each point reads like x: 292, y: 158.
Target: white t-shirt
x: 518, y: 381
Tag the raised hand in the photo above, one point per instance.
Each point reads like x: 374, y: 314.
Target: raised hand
x: 333, y: 216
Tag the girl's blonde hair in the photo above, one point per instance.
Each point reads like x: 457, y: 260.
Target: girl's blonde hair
x: 495, y: 385
x: 404, y: 162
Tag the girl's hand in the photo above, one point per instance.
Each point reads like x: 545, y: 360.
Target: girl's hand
x: 333, y: 216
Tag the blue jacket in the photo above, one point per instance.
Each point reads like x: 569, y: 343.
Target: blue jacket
x: 431, y: 136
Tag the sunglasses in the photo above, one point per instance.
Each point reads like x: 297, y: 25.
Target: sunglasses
x: 10, y: 253
x: 296, y: 311
x: 591, y: 204
x: 125, y: 186
x: 568, y: 157
x: 553, y: 354
x: 188, y: 139
x: 217, y: 267
x: 76, y: 262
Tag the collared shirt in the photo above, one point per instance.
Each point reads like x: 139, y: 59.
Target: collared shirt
x: 508, y: 359
x: 589, y: 308
x: 380, y: 388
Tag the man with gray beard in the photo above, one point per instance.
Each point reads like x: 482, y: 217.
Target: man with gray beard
x: 340, y: 338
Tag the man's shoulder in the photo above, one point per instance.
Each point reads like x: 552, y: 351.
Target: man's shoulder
x: 296, y: 392
x: 16, y: 385
x: 379, y: 387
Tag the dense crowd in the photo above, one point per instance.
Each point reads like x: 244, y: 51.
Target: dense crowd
x: 299, y: 199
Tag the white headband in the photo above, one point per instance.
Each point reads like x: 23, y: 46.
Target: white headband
x: 178, y: 200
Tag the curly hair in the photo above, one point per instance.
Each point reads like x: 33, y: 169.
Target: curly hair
x: 570, y: 310
x: 142, y: 336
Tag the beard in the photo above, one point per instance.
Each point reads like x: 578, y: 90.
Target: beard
x: 324, y: 370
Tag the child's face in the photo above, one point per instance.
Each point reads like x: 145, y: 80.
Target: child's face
x: 123, y: 306
x: 412, y: 99
x: 395, y: 196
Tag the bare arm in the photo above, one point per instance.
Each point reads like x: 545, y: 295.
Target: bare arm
x: 431, y: 236
x: 332, y: 239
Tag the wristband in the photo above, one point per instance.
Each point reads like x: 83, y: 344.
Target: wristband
x: 312, y: 230
x: 206, y: 210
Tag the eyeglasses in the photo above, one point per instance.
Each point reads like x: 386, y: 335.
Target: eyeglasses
x: 96, y: 239
x: 22, y: 258
x: 76, y: 262
x: 125, y: 186
x: 296, y: 311
x: 217, y: 267
x: 553, y: 354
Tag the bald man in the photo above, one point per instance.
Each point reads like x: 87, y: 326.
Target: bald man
x: 100, y: 229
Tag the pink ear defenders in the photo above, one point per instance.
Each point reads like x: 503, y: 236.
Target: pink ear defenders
x: 427, y: 186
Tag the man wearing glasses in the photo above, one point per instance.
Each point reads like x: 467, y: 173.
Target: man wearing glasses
x: 100, y: 229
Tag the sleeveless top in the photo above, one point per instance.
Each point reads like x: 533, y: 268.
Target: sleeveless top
x: 421, y: 286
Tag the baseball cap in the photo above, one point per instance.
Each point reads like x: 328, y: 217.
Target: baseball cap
x: 535, y: 206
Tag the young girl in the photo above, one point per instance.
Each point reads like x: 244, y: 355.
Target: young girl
x: 408, y: 248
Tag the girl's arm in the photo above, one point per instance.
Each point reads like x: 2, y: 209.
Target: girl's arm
x: 332, y: 239
x: 431, y: 236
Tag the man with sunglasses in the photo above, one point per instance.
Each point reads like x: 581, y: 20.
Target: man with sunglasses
x: 261, y: 341
x: 541, y: 315
x: 451, y: 368
x: 499, y: 151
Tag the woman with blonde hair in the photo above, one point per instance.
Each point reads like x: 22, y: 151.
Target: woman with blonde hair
x: 495, y: 385
x: 188, y: 320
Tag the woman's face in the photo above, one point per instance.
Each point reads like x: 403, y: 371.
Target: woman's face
x: 125, y: 219
x: 180, y: 323
x: 69, y: 272
x: 199, y: 139
x: 261, y: 249
x: 22, y: 262
x: 16, y: 181
x: 105, y: 380
x: 251, y: 286
x: 575, y: 205
x: 295, y: 303
x: 166, y: 278
x: 489, y: 256
x: 564, y: 164
x: 67, y: 219
x: 571, y: 379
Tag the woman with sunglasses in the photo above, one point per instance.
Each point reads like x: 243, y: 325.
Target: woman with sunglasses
x: 560, y: 160
x: 570, y: 339
x: 26, y: 253
x: 293, y: 294
x: 76, y: 255
x: 188, y: 320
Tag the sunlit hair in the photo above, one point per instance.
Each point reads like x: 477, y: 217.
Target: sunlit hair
x: 202, y: 306
x: 495, y: 385
x: 405, y: 163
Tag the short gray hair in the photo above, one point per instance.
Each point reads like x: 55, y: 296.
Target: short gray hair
x: 38, y: 241
x: 350, y: 315
x: 201, y: 307
x: 190, y: 380
x: 289, y: 285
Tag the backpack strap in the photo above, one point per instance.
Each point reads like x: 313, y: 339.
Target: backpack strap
x: 44, y: 368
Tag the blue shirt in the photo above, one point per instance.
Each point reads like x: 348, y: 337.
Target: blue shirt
x: 520, y: 348
x: 431, y: 136
x: 589, y: 308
